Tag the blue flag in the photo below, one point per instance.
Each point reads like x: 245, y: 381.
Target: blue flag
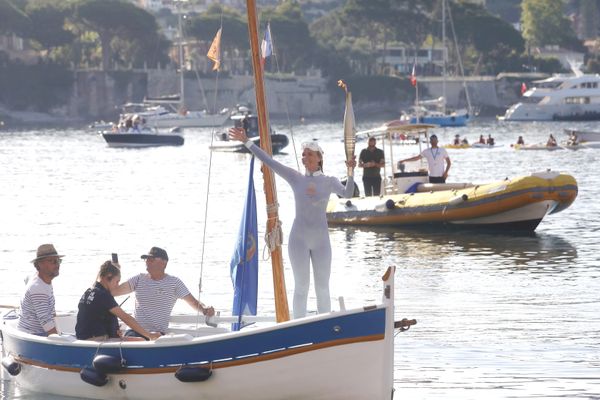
x: 244, y: 263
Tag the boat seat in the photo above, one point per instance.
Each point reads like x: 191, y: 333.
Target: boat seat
x: 174, y: 337
x: 62, y: 338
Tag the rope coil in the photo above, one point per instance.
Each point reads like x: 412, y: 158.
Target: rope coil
x: 273, y: 239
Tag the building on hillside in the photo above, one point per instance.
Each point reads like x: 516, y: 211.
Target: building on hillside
x: 399, y: 59
x: 18, y: 48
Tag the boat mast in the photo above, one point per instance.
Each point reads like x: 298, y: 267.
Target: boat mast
x: 281, y: 305
x: 181, y: 77
x: 445, y: 57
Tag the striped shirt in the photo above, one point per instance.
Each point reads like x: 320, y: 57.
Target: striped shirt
x: 154, y: 300
x: 37, y: 307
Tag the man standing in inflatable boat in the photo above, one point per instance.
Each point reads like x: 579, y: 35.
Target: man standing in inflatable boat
x: 436, y: 158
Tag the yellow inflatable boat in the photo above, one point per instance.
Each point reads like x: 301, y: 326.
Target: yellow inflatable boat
x: 513, y: 204
x: 408, y: 199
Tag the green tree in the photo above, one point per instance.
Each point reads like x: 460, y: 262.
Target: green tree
x: 114, y: 19
x: 293, y: 45
x: 12, y: 18
x: 492, y: 38
x: 48, y: 26
x: 544, y: 23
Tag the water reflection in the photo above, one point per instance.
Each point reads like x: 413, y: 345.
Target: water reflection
x: 536, y: 252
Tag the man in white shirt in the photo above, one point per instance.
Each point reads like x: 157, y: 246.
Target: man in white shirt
x: 436, y: 158
x: 37, y: 304
x: 156, y: 293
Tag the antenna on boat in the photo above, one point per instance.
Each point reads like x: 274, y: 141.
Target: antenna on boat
x: 273, y: 224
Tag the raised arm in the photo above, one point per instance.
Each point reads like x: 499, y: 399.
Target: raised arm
x: 285, y: 172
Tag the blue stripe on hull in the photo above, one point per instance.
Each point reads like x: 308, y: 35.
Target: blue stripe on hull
x: 343, y: 328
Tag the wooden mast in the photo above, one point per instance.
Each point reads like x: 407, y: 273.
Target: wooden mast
x: 281, y: 305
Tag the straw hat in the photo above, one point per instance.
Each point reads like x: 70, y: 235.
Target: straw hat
x: 46, y: 250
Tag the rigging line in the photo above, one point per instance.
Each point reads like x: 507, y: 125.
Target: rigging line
x: 198, y: 80
x: 285, y: 102
x: 460, y: 64
x: 210, y: 157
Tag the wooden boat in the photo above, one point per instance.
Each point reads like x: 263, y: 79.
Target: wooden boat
x: 346, y: 354
x: 514, y: 204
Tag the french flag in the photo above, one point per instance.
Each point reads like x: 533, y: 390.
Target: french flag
x: 266, y: 47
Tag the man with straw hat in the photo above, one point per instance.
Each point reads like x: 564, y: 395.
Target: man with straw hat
x: 37, y: 303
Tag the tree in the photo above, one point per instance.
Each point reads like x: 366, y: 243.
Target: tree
x: 544, y: 23
x: 112, y: 19
x: 491, y: 37
x: 12, y: 18
x: 48, y: 26
x: 294, y: 46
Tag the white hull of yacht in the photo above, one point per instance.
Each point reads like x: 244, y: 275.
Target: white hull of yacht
x: 552, y: 112
x: 193, y: 119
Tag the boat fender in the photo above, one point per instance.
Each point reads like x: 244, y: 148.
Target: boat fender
x: 390, y: 204
x: 458, y: 200
x: 193, y: 374
x: 93, y: 377
x: 108, y: 364
x: 11, y: 366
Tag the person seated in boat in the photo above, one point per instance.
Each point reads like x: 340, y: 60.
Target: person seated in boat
x: 371, y: 160
x: 520, y: 141
x: 309, y: 237
x: 436, y: 157
x: 572, y: 141
x: 481, y: 139
x: 156, y: 293
x: 456, y: 140
x: 551, y: 141
x: 37, y: 303
x: 135, y: 127
x: 490, y: 140
x: 98, y: 310
x: 464, y: 141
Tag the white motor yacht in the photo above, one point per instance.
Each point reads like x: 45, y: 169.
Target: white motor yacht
x: 559, y: 98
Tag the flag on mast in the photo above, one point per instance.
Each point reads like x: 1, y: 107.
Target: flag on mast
x: 523, y: 88
x: 413, y: 76
x: 266, y: 47
x: 244, y: 262
x: 214, y: 53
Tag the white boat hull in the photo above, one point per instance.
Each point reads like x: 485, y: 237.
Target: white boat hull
x: 190, y: 120
x: 296, y: 376
x: 530, y: 212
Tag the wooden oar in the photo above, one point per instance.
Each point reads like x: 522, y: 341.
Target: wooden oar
x: 349, y: 127
x: 8, y: 306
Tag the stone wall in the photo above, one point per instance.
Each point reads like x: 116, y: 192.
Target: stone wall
x: 99, y: 95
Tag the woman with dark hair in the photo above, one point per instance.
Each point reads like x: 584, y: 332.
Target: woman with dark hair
x: 98, y: 310
x: 309, y: 237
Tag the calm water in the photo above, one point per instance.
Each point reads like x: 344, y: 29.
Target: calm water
x: 498, y: 316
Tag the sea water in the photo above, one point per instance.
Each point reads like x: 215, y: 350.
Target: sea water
x: 499, y: 316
